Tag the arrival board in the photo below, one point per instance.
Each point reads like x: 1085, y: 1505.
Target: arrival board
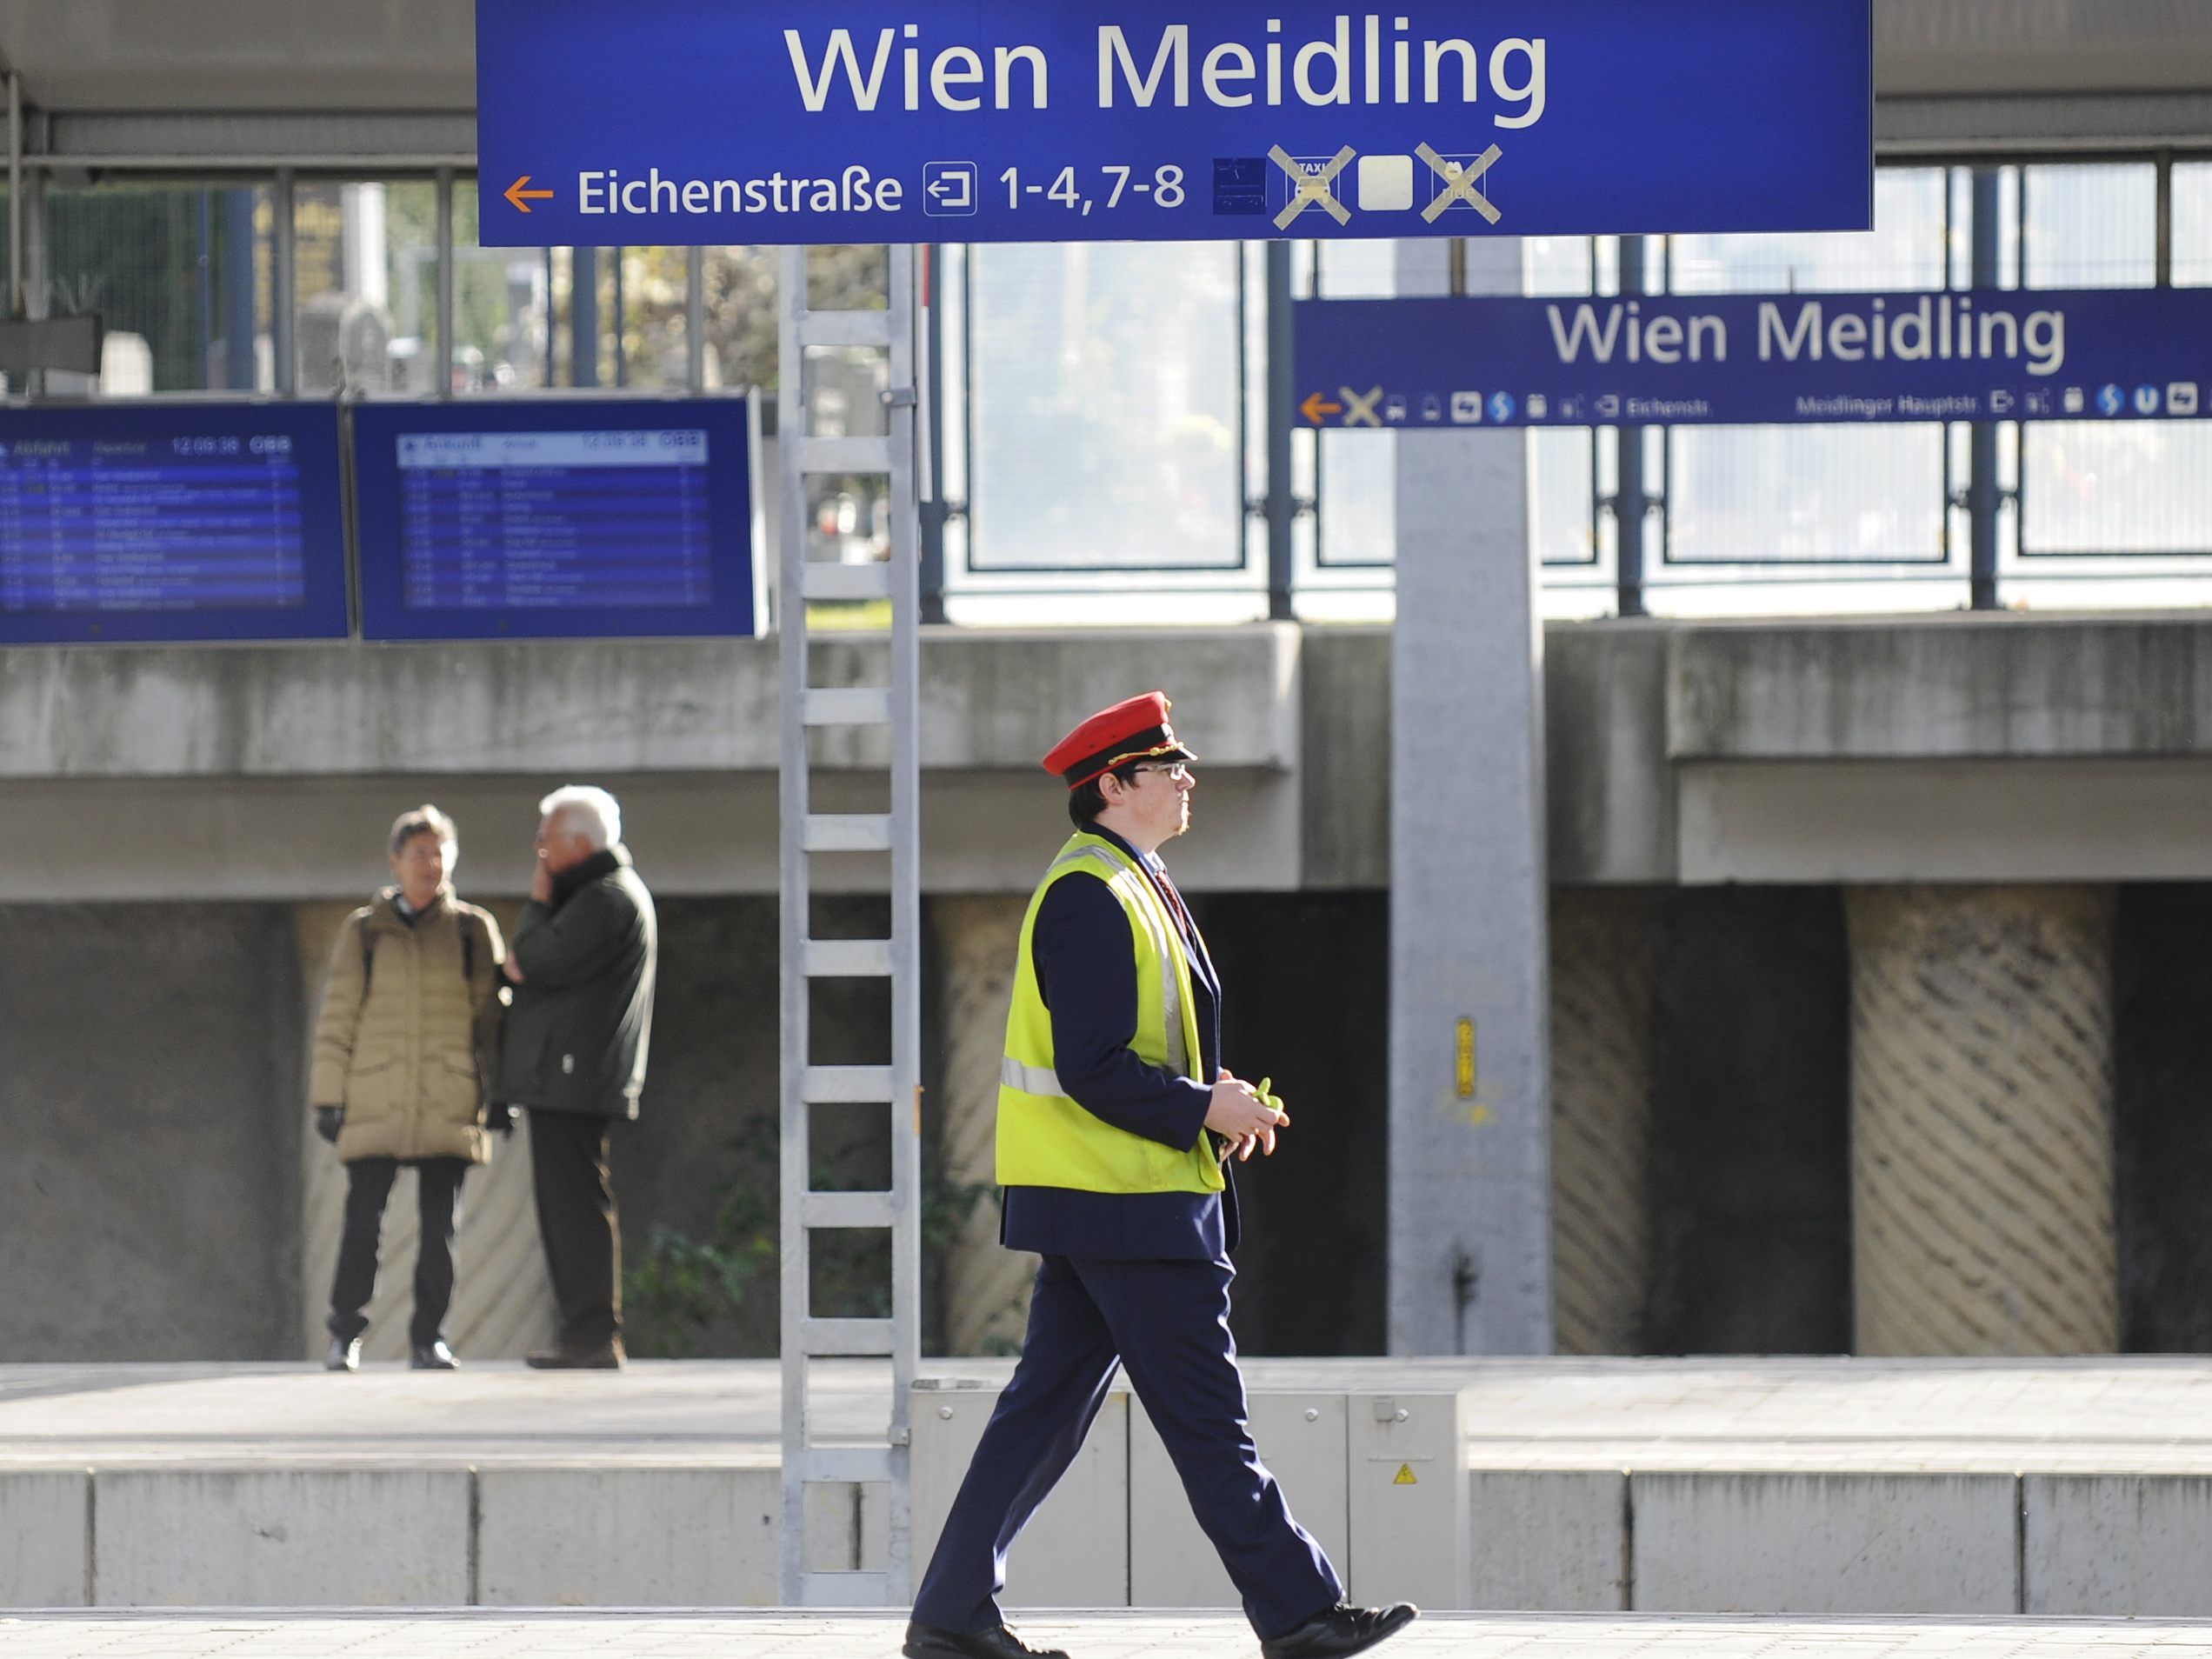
x: 567, y: 517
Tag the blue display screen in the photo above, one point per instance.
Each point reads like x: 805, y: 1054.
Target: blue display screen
x: 554, y: 518
x: 170, y: 521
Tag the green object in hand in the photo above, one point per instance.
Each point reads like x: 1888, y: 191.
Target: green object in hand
x: 1270, y: 1101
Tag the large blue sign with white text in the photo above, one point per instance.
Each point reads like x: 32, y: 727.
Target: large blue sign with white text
x: 1756, y: 359
x: 683, y: 121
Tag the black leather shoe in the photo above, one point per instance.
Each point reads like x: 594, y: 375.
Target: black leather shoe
x: 608, y: 1356
x: 927, y: 1642
x: 1344, y: 1629
x: 344, y: 1354
x: 436, y: 1357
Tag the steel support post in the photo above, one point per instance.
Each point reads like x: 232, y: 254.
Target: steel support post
x: 583, y: 317
x: 283, y: 284
x: 445, y: 282
x: 695, y: 318
x: 1631, y: 494
x: 15, y: 194
x: 1984, y: 496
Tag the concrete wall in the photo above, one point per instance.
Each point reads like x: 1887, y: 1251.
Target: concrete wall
x: 148, y: 1183
x: 1942, y: 749
x: 148, y: 1114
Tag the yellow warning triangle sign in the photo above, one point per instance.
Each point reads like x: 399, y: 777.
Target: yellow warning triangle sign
x: 1405, y: 1477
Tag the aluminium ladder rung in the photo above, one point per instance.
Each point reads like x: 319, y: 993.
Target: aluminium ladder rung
x: 848, y: 706
x: 825, y: 581
x: 846, y: 1085
x: 845, y: 1589
x: 820, y: 455
x: 845, y: 1465
x: 861, y: 329
x: 847, y: 1339
x: 854, y: 832
x: 848, y: 958
x: 848, y: 1210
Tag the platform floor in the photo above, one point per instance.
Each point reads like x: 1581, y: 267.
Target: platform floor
x: 1085, y: 1635
x: 2150, y: 1416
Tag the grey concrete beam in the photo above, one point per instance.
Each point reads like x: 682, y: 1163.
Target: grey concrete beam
x: 1924, y: 47
x: 990, y: 699
x: 244, y: 54
x: 1946, y: 821
x: 1942, y: 688
x: 1344, y: 772
x: 1611, y: 790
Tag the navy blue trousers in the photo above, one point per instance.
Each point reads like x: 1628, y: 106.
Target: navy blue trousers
x: 1167, y: 1323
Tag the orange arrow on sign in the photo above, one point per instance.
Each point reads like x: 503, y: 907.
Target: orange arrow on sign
x: 1313, y: 409
x: 521, y: 198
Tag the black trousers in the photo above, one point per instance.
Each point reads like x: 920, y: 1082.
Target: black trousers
x: 369, y: 1183
x: 1166, y: 1323
x: 577, y: 1218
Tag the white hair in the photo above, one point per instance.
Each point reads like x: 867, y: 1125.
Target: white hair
x: 588, y: 810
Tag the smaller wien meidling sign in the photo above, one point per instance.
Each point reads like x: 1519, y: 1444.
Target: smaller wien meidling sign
x: 160, y: 522
x: 568, y: 518
x: 2091, y: 355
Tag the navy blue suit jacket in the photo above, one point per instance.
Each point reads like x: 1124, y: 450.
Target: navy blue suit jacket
x: 1086, y: 969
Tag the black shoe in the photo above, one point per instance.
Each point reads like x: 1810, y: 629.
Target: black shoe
x: 1343, y: 1628
x: 344, y: 1354
x: 927, y: 1642
x: 608, y: 1356
x: 436, y: 1357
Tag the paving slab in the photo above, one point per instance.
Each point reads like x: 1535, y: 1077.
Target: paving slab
x: 784, y: 1634
x: 1965, y: 1416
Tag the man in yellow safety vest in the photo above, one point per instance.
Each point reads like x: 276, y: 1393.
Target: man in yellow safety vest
x: 1116, y: 1122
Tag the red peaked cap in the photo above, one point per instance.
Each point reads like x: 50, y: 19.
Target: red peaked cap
x: 1135, y: 730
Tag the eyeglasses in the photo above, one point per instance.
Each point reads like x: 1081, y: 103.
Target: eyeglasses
x: 1177, y: 773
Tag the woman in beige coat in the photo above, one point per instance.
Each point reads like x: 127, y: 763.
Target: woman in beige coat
x: 409, y: 1008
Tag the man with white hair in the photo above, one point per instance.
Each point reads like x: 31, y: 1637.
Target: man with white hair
x: 574, y: 1053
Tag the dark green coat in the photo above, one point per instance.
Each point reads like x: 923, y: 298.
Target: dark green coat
x: 577, y: 1032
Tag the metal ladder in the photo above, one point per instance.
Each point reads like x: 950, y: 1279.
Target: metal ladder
x: 895, y: 1087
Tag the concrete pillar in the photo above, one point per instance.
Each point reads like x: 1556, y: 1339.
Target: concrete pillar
x: 1470, y: 1087
x: 502, y: 1301
x: 1982, y: 1121
x: 987, y: 1289
x: 1601, y: 966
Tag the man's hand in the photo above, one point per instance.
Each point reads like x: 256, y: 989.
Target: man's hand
x: 542, y: 882
x: 1261, y: 1141
x: 513, y: 969
x: 1237, y: 1113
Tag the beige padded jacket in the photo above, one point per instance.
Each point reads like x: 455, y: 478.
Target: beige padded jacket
x: 402, y: 1052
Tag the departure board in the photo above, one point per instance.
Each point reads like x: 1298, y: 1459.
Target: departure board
x: 572, y: 516
x: 157, y: 521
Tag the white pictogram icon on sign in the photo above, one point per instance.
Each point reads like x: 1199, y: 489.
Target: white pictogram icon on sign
x: 1312, y: 190
x: 1458, y: 178
x: 949, y: 189
x: 2181, y: 397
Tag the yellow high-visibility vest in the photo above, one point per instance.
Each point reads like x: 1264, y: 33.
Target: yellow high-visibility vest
x: 1044, y: 1138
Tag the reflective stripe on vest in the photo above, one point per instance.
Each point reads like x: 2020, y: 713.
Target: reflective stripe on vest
x: 1031, y: 1080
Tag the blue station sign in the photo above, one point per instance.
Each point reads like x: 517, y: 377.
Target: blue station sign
x: 683, y: 121
x: 1756, y: 359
